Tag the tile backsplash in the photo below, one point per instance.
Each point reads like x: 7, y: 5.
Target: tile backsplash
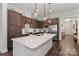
x: 34, y: 30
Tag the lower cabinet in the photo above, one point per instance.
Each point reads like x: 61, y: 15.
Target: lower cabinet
x: 13, y: 32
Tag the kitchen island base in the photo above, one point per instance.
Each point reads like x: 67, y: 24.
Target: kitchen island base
x: 21, y: 50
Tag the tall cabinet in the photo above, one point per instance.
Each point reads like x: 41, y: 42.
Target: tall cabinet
x: 14, y: 26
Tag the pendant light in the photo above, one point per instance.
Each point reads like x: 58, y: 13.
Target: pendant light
x: 36, y: 11
x: 44, y: 13
x: 49, y: 11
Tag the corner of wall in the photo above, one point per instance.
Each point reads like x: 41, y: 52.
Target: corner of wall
x: 4, y: 29
x: 4, y: 50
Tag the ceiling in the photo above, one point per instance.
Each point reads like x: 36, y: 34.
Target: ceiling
x: 56, y: 7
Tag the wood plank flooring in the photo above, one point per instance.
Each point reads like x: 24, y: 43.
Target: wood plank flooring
x: 65, y: 47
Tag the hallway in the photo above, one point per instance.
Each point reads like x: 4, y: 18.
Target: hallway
x: 67, y: 46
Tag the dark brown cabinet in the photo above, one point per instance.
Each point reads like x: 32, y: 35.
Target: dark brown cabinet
x: 34, y: 23
x: 14, y: 26
x: 52, y: 22
x: 14, y: 18
x: 38, y: 24
x: 23, y: 20
x: 41, y: 23
x: 26, y: 20
x: 12, y: 31
x: 11, y: 18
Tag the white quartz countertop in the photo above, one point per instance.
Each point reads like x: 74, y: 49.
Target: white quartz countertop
x: 33, y: 41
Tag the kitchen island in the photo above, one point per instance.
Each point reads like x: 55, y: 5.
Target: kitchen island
x: 32, y: 45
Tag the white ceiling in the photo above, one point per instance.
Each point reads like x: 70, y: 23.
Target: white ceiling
x: 56, y: 7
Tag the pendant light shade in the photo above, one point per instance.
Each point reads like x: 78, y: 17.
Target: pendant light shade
x: 49, y: 11
x: 36, y: 11
x: 44, y: 18
x: 35, y: 14
x: 44, y: 13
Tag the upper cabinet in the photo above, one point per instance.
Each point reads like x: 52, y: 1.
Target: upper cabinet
x: 14, y: 28
x: 11, y: 17
x: 54, y: 21
x: 49, y: 22
x: 14, y: 18
x: 25, y: 20
x: 34, y: 23
x: 20, y: 20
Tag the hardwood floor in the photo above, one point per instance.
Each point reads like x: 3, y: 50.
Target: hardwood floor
x: 10, y: 53
x: 65, y: 47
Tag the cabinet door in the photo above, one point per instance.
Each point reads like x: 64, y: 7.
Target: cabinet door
x: 55, y: 21
x: 14, y: 18
x: 18, y: 19
x: 11, y: 17
x: 19, y: 31
x: 41, y: 24
x: 23, y: 21
x: 27, y: 19
x: 12, y: 31
x: 32, y: 23
x: 14, y: 26
x: 38, y: 26
x: 9, y: 43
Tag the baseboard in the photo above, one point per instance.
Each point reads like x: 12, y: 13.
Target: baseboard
x: 4, y: 51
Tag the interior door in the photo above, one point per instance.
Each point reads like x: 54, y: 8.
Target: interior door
x: 68, y: 27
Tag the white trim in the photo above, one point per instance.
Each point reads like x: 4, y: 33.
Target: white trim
x: 4, y: 29
x: 4, y: 50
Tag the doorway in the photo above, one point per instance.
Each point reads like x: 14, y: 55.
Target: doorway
x: 68, y: 26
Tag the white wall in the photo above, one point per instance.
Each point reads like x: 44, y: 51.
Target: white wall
x: 4, y: 29
x: 62, y: 16
x: 0, y: 24
x: 11, y: 7
x: 14, y: 8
